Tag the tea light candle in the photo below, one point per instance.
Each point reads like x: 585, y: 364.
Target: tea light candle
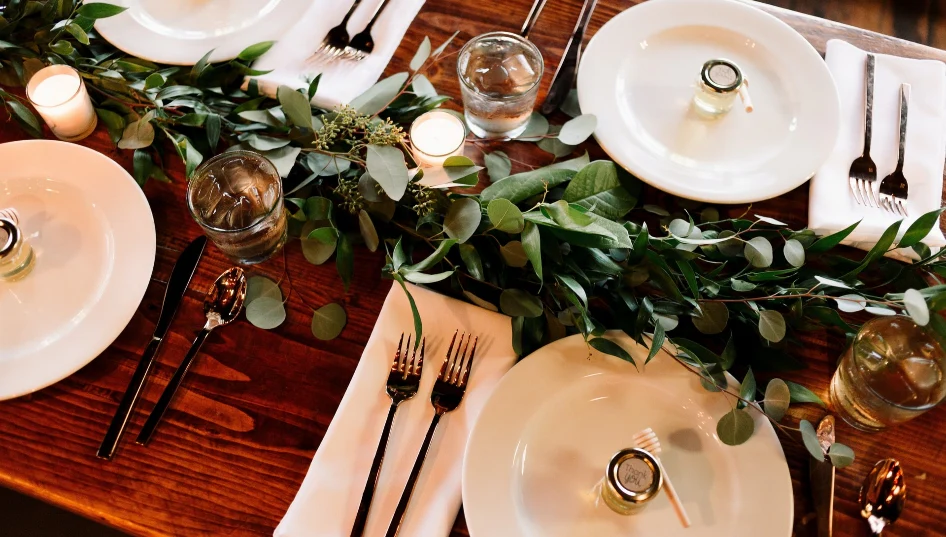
x: 436, y: 136
x: 59, y: 95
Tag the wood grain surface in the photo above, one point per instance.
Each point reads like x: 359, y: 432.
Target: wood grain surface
x: 235, y: 445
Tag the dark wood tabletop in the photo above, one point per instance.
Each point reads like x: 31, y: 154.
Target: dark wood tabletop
x: 236, y: 443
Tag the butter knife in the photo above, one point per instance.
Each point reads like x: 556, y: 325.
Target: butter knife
x: 821, y: 475
x: 181, y: 275
x: 564, y: 77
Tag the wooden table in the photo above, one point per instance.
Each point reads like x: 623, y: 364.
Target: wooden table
x: 236, y: 444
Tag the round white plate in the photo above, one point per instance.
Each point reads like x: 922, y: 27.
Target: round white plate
x: 639, y: 74
x: 91, y: 229
x: 544, y: 439
x: 180, y: 32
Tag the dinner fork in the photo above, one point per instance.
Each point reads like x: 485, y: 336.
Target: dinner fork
x: 363, y: 44
x: 446, y: 397
x: 337, y: 38
x: 647, y: 440
x: 403, y: 381
x: 863, y: 171
x: 893, y: 189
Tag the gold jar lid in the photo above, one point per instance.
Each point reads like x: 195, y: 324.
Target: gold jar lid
x: 634, y: 474
x: 721, y: 76
x: 13, y: 237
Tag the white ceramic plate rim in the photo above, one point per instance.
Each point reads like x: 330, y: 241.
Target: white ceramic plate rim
x: 486, y: 478
x: 133, y: 232
x: 130, y: 36
x: 597, y: 97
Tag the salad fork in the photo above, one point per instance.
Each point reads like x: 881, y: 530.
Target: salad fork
x: 894, y: 189
x: 446, y: 397
x: 363, y: 44
x: 863, y: 171
x: 403, y: 382
x: 337, y: 38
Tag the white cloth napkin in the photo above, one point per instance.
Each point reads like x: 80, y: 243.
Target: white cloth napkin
x: 831, y: 204
x: 341, y: 81
x: 328, y: 500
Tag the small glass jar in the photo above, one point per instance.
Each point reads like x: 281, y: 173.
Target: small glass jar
x: 16, y: 254
x: 633, y: 479
x: 720, y: 82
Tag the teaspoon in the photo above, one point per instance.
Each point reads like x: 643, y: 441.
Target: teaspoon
x: 222, y: 305
x: 882, y: 495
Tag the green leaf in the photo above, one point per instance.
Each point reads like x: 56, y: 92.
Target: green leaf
x: 261, y: 286
x: 422, y: 87
x: 916, y: 307
x: 421, y: 277
x: 505, y: 216
x: 368, y: 232
x: 656, y: 342
x: 570, y: 105
x: 78, y: 33
x: 741, y: 286
x: 920, y: 228
x: 99, y: 10
x: 578, y: 129
x: 314, y: 86
x: 261, y: 142
x: 296, y: 107
x: 139, y: 133
x: 325, y: 235
x: 345, y: 260
x: 575, y: 288
x: 514, y: 254
x: 63, y: 48
x: 772, y: 221
x: 690, y: 276
x: 418, y: 323
x: 115, y: 123
x: 714, y: 318
x: 851, y: 303
x: 810, y: 438
x: 378, y: 97
x: 841, y: 456
x: 771, y: 325
x: 471, y: 259
x: 518, y: 303
x: 731, y: 247
x: 883, y: 244
x: 794, y: 253
x: 443, y: 46
x: 777, y: 398
x: 253, y: 52
x: 537, y: 127
x: 747, y: 389
x: 387, y: 166
x: 532, y: 243
x: 318, y: 208
x: 266, y: 312
x: 498, y: 165
x: 828, y: 242
x: 314, y: 250
x: 462, y: 219
x: 142, y: 166
x: 154, y: 80
x: 442, y: 250
x: 554, y: 145
x: 801, y: 394
x: 516, y: 188
x: 758, y: 252
x: 212, y: 124
x: 423, y: 52
x: 831, y: 283
x: 735, y: 428
x: 479, y: 301
x: 609, y: 347
x: 598, y: 188
x: 329, y: 321
x: 26, y: 118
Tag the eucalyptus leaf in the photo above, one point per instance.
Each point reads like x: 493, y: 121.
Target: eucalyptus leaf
x: 916, y: 307
x: 570, y: 105
x: 437, y: 256
x: 735, y: 427
x: 607, y: 346
x: 138, y: 134
x: 713, y: 319
x: 266, y: 312
x: 420, y: 57
x: 261, y: 286
x: 462, y: 219
x: 532, y: 244
x: 747, y: 389
x: 801, y: 394
x: 514, y: 254
x: 826, y: 243
x: 368, y: 231
x: 851, y: 303
x: 920, y: 228
x: 768, y: 220
x: 505, y: 216
x: 758, y: 252
x: 777, y: 399
x: 253, y: 52
x: 387, y: 166
x: 730, y: 247
x: 840, y: 455
x: 471, y: 259
x: 328, y: 321
x: 422, y: 87
x: 296, y: 107
x: 878, y: 310
x: 794, y: 253
x: 831, y: 282
x: 516, y: 188
x: 314, y: 250
x: 518, y: 303
x: 810, y: 438
x: 99, y: 10
x: 498, y: 165
x: 598, y: 188
x: 377, y: 97
x: 422, y: 277
x: 771, y: 325
x: 344, y: 260
x: 578, y: 129
x: 536, y: 128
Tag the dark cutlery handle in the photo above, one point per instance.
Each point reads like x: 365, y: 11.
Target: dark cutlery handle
x: 412, y: 480
x: 351, y: 11
x: 564, y: 77
x: 361, y: 518
x: 904, y: 103
x: 869, y: 103
x: 125, y: 406
x: 165, y: 401
x: 534, y: 13
x: 377, y: 15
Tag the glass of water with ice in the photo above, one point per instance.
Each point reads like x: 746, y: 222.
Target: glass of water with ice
x: 236, y: 197
x: 499, y: 79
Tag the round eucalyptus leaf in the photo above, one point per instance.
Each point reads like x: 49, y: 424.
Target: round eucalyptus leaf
x: 810, y: 438
x: 667, y: 322
x: 777, y: 399
x: 536, y: 127
x: 328, y: 321
x: 832, y: 283
x: 772, y: 221
x: 758, y: 252
x: 518, y: 303
x: 463, y: 217
x: 732, y: 247
x: 314, y: 250
x: 498, y: 165
x: 877, y: 310
x: 514, y: 254
x: 714, y: 318
x: 578, y: 129
x: 840, y: 455
x: 386, y: 165
x: 794, y: 253
x: 266, y: 312
x: 916, y: 307
x: 505, y: 216
x: 709, y: 214
x: 851, y: 303
x: 261, y: 286
x: 735, y: 427
x: 679, y: 227
x: 771, y: 325
x: 368, y: 188
x: 368, y: 232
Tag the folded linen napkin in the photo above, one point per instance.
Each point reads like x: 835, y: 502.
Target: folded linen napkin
x: 831, y: 204
x: 328, y: 500
x: 342, y: 81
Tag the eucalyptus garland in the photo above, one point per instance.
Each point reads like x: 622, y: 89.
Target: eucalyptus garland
x: 562, y: 249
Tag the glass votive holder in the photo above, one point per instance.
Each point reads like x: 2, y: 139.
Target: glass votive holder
x: 237, y: 198
x: 437, y: 136
x: 59, y: 95
x: 16, y: 254
x: 499, y: 80
x: 891, y: 373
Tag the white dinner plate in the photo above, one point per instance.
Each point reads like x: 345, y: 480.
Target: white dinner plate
x: 639, y: 74
x: 544, y: 439
x: 92, y: 232
x: 180, y: 32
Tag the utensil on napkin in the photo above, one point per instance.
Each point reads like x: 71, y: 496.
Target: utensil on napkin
x: 821, y: 475
x: 341, y: 81
x: 863, y: 171
x: 330, y: 493
x: 832, y: 207
x: 181, y: 275
x: 894, y: 189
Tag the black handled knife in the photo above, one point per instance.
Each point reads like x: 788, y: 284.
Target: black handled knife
x: 821, y: 474
x: 564, y: 77
x: 177, y: 284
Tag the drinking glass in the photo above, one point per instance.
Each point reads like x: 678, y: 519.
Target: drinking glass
x: 499, y: 80
x: 891, y: 373
x: 236, y: 197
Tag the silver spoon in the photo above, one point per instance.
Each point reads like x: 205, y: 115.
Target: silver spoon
x: 883, y: 495
x: 222, y: 305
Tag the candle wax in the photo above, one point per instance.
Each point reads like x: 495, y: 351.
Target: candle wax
x: 437, y: 135
x: 55, y: 90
